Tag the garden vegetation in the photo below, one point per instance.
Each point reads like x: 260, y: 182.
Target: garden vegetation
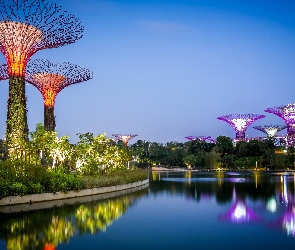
x: 48, y: 163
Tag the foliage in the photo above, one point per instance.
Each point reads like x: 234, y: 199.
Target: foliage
x: 224, y: 145
x: 21, y: 178
x: 190, y: 161
x: 98, y: 154
x: 114, y: 178
x: 16, y: 124
x: 212, y: 159
x: 58, y: 181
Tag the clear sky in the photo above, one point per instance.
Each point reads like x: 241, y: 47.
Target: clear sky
x: 167, y: 69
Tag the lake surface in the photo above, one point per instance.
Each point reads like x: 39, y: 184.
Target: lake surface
x: 179, y: 210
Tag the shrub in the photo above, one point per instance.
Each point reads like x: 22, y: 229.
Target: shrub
x: 62, y: 182
x: 18, y: 189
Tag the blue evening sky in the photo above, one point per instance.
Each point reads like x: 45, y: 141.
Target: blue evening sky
x: 167, y: 69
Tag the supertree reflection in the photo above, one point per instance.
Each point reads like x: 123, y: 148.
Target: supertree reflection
x: 240, y: 213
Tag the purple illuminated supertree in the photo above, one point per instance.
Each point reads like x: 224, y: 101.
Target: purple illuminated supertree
x: 27, y: 26
x: 124, y: 138
x: 50, y: 78
x: 270, y: 130
x: 240, y: 122
x: 287, y: 113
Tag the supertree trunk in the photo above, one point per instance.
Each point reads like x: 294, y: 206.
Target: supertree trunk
x: 16, y: 124
x: 49, y: 118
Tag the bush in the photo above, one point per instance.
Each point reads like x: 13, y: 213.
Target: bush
x: 62, y: 182
x: 18, y: 189
x: 21, y: 172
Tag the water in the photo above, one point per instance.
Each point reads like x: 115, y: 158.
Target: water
x: 184, y: 210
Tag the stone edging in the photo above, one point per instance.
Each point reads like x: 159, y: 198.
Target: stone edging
x: 29, y: 199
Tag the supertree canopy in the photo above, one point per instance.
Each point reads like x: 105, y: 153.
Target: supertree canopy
x: 50, y: 78
x: 3, y: 72
x: 270, y: 130
x: 27, y: 26
x: 287, y: 113
x: 124, y: 138
x: 240, y: 122
x: 201, y: 138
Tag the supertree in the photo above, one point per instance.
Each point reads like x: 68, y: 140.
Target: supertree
x: 240, y: 122
x: 270, y: 130
x: 50, y: 78
x: 27, y: 26
x: 287, y: 113
x: 124, y: 138
x: 201, y: 138
x: 3, y: 72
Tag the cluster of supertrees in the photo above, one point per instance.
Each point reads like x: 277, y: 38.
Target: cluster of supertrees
x: 240, y: 123
x: 27, y: 26
x: 201, y: 138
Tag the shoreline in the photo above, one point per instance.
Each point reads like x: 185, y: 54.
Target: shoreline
x: 161, y: 169
x: 44, y: 200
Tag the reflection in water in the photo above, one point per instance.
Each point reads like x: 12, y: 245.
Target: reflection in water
x: 288, y: 221
x: 240, y: 213
x: 97, y: 218
x: 271, y: 204
x: 274, y: 191
x: 46, y: 229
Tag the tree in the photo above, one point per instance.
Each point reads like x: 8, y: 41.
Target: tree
x: 224, y: 145
x: 190, y: 160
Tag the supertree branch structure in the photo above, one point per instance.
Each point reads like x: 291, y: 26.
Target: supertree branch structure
x: 3, y: 72
x: 201, y: 138
x: 124, y: 138
x: 287, y: 113
x: 50, y: 78
x: 240, y: 122
x: 270, y: 130
x: 27, y: 26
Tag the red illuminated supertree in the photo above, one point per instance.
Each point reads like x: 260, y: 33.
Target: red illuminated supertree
x: 270, y: 130
x: 50, y: 78
x: 27, y: 26
x: 124, y: 138
x: 240, y: 122
x: 287, y: 113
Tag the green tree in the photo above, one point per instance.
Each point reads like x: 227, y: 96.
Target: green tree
x: 224, y: 145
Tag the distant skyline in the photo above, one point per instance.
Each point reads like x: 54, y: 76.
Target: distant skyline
x: 167, y: 69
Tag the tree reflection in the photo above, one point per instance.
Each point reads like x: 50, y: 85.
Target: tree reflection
x: 46, y: 229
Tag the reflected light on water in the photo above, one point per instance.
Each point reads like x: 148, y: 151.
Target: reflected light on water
x: 271, y: 204
x: 240, y: 213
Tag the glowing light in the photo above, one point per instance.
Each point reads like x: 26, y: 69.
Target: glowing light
x: 270, y: 130
x: 50, y: 83
x: 287, y: 113
x: 240, y: 213
x: 240, y: 122
x: 17, y: 39
x: 50, y: 78
x: 124, y: 138
x: 271, y: 205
